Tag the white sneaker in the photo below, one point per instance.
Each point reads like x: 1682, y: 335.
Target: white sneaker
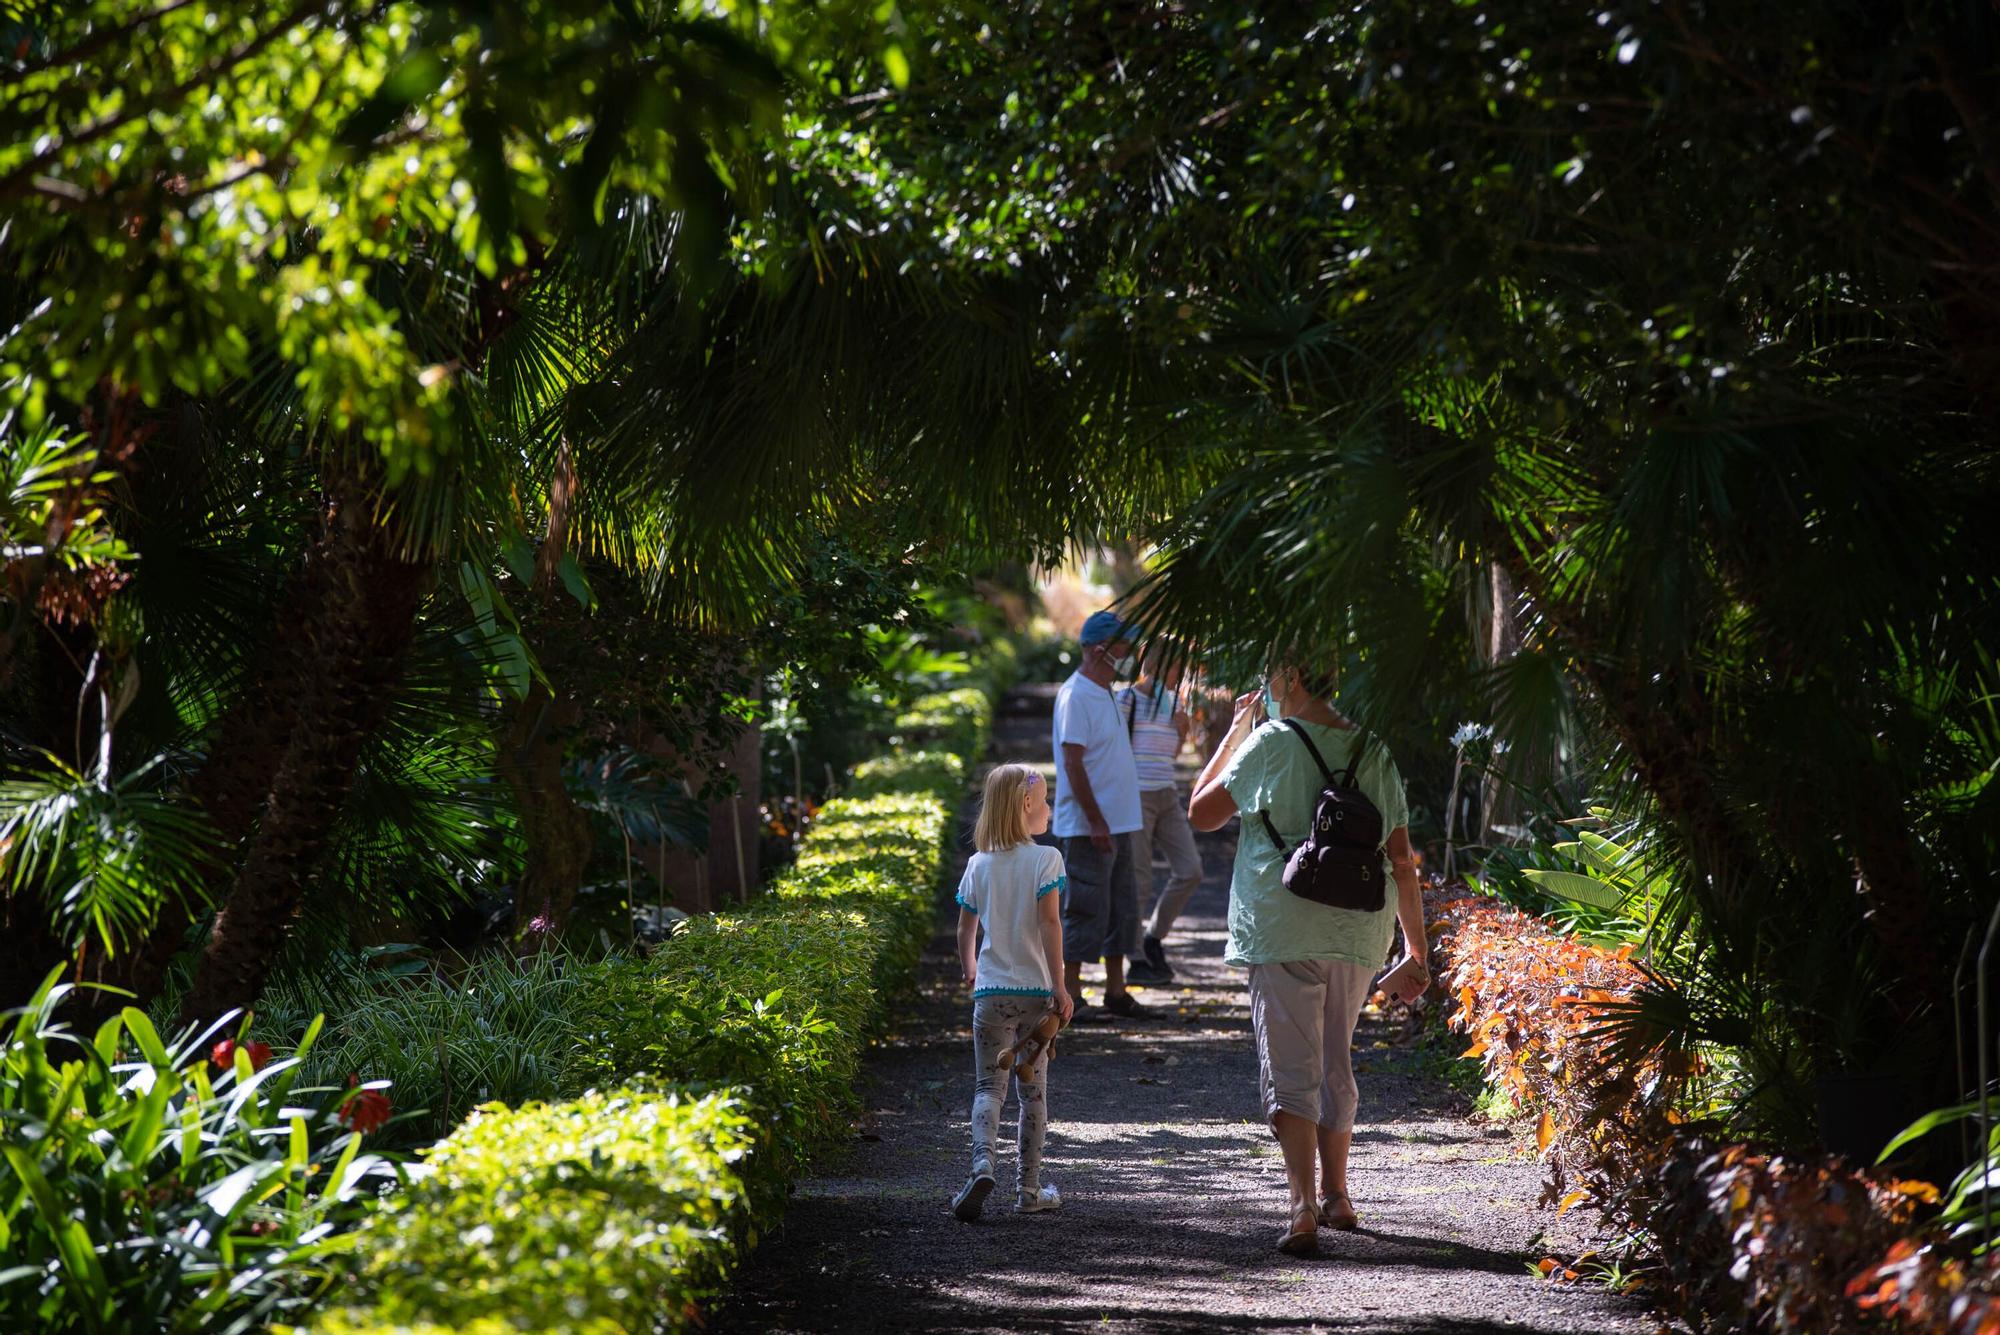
x: 971, y: 1198
x: 1048, y: 1199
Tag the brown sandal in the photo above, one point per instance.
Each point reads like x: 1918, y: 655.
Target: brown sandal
x: 1302, y: 1241
x: 1344, y: 1218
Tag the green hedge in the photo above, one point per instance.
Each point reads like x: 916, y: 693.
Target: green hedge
x: 908, y: 774
x: 624, y: 1211
x: 957, y: 721
x: 580, y: 1216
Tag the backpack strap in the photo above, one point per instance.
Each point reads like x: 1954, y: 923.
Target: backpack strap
x: 1354, y: 763
x: 1131, y: 712
x: 1271, y: 830
x: 1324, y: 772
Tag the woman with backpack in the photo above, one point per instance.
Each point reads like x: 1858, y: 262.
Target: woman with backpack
x: 1311, y: 915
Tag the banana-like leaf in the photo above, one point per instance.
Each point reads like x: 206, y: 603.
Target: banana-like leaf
x: 1578, y: 887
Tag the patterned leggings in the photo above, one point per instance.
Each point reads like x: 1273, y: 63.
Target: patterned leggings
x: 997, y: 1024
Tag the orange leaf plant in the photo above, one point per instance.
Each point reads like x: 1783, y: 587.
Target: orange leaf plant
x: 1788, y: 1242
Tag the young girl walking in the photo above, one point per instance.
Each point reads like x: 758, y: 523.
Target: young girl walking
x: 1013, y: 890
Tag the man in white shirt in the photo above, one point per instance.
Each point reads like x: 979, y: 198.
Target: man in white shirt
x: 1097, y: 810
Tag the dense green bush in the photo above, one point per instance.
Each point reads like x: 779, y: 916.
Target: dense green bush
x: 606, y: 1213
x: 778, y: 1001
x: 771, y: 1003
x: 140, y: 1192
x: 907, y: 773
x: 955, y: 720
x: 623, y: 1211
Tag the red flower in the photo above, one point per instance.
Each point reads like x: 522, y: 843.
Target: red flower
x: 366, y: 1111
x: 223, y: 1054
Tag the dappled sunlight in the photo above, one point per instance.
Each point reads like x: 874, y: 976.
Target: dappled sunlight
x: 1173, y: 1187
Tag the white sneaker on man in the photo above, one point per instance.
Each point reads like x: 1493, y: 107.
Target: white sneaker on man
x: 1048, y: 1198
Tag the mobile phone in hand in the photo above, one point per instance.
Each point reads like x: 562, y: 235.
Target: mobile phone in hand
x: 1406, y: 982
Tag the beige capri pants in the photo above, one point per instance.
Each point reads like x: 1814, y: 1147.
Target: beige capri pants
x: 1304, y: 1013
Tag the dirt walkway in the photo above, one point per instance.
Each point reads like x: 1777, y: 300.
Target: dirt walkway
x: 1173, y: 1190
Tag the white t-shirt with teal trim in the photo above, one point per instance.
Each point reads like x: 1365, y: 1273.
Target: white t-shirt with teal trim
x: 1005, y: 889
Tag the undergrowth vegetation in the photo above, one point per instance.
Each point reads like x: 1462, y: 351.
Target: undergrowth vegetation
x: 197, y: 1186
x: 605, y: 1213
x: 704, y: 1075
x: 1627, y: 1124
x: 495, y: 1028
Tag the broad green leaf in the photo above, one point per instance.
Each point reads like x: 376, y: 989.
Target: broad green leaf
x: 1926, y: 1124
x: 146, y: 1036
x: 1575, y: 886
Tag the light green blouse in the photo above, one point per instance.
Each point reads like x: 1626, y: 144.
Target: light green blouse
x: 1273, y: 772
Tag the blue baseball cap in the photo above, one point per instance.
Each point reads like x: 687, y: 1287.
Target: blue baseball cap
x: 1103, y: 627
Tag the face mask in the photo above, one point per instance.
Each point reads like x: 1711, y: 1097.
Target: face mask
x: 1123, y: 666
x: 1271, y: 709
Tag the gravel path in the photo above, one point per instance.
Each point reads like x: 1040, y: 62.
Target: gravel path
x: 1173, y: 1190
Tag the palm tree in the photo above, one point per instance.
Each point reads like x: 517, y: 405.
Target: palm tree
x: 1591, y: 321
x: 605, y: 384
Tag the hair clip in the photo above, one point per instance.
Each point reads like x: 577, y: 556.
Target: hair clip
x: 1032, y: 779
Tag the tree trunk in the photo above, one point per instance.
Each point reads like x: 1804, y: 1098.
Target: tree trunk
x: 242, y: 763
x: 557, y: 832
x: 736, y: 823
x: 1498, y: 804
x: 354, y: 646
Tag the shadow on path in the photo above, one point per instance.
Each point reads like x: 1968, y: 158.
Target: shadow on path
x: 1173, y: 1190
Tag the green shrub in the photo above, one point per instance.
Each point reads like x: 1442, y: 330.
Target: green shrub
x: 610, y: 1212
x: 908, y: 773
x: 693, y: 1014
x: 881, y: 855
x: 138, y: 1192
x: 956, y: 720
x: 779, y: 1001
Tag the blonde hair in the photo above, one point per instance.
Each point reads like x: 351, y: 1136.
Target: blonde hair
x: 1003, y: 816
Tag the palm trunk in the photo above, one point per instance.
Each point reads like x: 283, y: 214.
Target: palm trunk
x: 556, y: 831
x: 236, y: 776
x: 1665, y: 728
x: 354, y: 644
x: 1498, y: 804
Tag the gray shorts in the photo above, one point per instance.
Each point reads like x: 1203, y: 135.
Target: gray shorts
x: 1304, y: 1012
x: 1100, y: 902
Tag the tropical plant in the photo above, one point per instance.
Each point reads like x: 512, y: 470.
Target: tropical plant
x: 106, y: 853
x: 1559, y: 308
x: 144, y: 1192
x: 1730, y: 1234
x: 1968, y: 1211
x: 447, y: 332
x: 446, y: 1038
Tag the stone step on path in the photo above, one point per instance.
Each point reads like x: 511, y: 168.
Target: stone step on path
x: 1173, y: 1190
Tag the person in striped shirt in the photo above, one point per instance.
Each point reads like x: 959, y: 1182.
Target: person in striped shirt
x: 1159, y: 727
